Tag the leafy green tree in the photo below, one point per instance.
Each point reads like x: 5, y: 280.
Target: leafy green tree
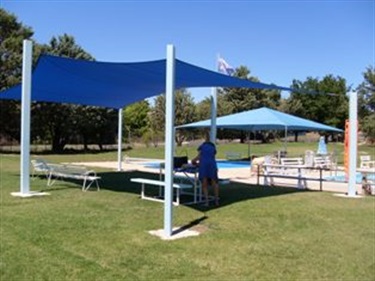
x: 12, y: 34
x: 203, y: 111
x: 242, y: 99
x: 324, y: 101
x: 94, y: 125
x: 66, y: 46
x: 366, y: 104
x: 135, y: 118
x: 49, y: 121
x: 184, y: 113
x: 203, y: 108
x: 58, y: 119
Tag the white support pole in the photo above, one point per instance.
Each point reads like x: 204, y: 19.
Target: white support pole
x: 169, y: 140
x: 214, y: 108
x: 213, y: 115
x: 27, y: 61
x: 286, y: 138
x: 352, y: 143
x: 25, y: 116
x: 119, y: 141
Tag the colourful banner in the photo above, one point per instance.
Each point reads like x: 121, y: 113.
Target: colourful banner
x: 346, y: 149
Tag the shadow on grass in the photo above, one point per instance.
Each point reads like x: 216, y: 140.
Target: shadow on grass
x: 229, y: 194
x: 190, y: 225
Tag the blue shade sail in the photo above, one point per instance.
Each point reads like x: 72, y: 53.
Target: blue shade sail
x: 114, y: 85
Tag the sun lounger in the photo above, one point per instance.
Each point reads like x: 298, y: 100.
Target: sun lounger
x: 61, y: 171
x: 39, y: 166
x: 366, y: 162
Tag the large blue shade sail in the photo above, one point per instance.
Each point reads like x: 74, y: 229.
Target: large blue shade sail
x: 65, y: 80
x: 263, y: 119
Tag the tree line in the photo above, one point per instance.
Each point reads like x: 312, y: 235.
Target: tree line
x: 62, y: 124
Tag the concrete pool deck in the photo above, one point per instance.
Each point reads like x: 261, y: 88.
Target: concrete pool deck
x: 240, y: 175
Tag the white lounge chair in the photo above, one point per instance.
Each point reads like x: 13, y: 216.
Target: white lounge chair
x: 61, y: 171
x: 309, y: 158
x: 40, y: 166
x: 322, y: 162
x: 366, y: 162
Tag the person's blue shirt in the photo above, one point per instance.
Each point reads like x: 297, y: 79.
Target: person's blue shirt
x: 207, y: 161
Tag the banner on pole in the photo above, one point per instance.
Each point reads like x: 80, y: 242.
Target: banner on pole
x: 346, y: 148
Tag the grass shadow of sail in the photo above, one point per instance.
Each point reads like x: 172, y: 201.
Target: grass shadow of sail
x: 229, y: 194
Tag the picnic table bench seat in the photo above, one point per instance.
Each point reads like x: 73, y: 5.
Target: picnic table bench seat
x: 150, y: 182
x: 297, y: 172
x: 293, y: 168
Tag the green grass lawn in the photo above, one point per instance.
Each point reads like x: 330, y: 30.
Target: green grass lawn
x: 257, y: 233
x: 293, y: 148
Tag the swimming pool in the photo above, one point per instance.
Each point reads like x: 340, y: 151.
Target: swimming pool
x: 225, y: 164
x: 221, y: 164
x: 341, y: 177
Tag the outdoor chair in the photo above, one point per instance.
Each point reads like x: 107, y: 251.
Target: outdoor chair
x: 366, y: 162
x: 40, y: 167
x: 309, y: 158
x: 61, y: 171
x: 257, y: 163
x: 323, y: 162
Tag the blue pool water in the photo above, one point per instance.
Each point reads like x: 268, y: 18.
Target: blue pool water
x: 341, y: 177
x: 221, y: 164
x: 232, y: 164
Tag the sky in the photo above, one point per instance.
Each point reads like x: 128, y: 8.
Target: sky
x: 278, y: 41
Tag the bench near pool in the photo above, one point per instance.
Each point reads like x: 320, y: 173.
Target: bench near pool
x: 149, y: 182
x: 187, y: 186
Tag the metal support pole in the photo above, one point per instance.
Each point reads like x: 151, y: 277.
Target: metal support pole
x: 27, y: 61
x: 25, y: 116
x: 213, y: 128
x: 119, y: 141
x: 169, y: 140
x: 352, y: 143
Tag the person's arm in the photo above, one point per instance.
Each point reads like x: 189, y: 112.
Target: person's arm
x: 195, y: 160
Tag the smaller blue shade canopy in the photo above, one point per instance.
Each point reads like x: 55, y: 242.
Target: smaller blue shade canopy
x: 263, y: 119
x: 65, y: 80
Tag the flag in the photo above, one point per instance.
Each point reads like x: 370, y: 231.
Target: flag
x: 224, y: 67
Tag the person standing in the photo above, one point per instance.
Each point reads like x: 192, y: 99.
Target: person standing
x: 206, y: 159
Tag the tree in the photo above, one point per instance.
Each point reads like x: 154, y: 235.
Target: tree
x: 366, y: 104
x: 57, y: 119
x: 203, y: 108
x: 50, y: 121
x: 242, y: 99
x: 323, y: 101
x: 94, y: 125
x: 294, y: 107
x: 136, y: 117
x: 12, y: 34
x: 184, y: 113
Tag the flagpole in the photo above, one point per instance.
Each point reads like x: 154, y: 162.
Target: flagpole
x: 214, y: 107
